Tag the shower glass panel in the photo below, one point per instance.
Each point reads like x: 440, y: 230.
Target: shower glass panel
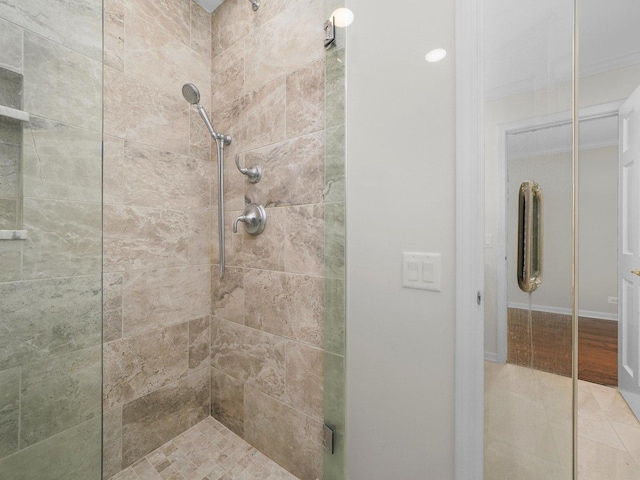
x: 334, y: 257
x: 50, y: 239
x: 528, y: 92
x: 609, y: 242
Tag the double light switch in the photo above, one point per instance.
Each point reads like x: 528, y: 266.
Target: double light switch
x: 421, y: 271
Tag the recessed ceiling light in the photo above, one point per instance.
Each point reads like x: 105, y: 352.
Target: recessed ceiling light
x: 343, y: 17
x: 436, y: 55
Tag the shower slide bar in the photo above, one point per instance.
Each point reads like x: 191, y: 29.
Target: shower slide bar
x: 530, y: 252
x: 192, y: 95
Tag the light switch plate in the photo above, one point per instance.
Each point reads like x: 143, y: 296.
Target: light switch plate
x: 422, y: 271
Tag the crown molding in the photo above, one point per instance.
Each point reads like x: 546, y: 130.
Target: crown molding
x: 589, y: 70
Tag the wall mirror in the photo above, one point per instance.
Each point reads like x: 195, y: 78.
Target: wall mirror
x: 538, y: 344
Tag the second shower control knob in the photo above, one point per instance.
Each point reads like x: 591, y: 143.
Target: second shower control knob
x: 254, y: 218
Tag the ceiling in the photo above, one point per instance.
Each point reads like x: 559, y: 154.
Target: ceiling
x: 528, y: 44
x: 210, y: 5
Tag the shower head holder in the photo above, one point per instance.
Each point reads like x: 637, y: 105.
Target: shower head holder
x: 254, y: 173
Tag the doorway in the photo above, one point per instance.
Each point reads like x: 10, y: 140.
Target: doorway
x: 542, y: 148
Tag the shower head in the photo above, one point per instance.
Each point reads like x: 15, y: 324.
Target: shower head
x: 191, y: 93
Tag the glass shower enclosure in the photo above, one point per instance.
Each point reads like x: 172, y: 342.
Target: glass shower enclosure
x: 50, y: 239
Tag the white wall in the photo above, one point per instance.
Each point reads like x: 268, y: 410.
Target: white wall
x: 598, y: 234
x: 400, y: 197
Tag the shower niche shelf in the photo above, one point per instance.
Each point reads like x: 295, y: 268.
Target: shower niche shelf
x: 12, y: 122
x: 11, y: 96
x: 13, y: 113
x: 13, y: 234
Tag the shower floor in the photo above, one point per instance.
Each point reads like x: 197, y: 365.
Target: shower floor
x: 207, y: 451
x: 528, y: 431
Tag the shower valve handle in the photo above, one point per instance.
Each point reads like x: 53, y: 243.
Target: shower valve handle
x: 254, y: 219
x: 254, y: 173
x: 241, y: 218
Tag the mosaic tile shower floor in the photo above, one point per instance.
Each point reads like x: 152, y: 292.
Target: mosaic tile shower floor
x: 207, y: 451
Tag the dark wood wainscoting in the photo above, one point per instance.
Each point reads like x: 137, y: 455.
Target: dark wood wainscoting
x: 597, y: 345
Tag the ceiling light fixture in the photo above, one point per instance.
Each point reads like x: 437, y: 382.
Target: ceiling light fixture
x: 436, y: 55
x: 343, y: 17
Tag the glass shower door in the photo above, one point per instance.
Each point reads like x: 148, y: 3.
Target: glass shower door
x: 334, y: 256
x: 529, y: 309
x: 608, y: 406
x: 50, y: 239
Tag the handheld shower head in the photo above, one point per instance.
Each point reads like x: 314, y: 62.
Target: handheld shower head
x: 191, y: 93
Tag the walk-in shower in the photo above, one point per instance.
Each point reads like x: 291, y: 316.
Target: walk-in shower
x: 192, y: 95
x: 124, y: 351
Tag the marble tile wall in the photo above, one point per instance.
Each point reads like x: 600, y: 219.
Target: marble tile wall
x: 278, y: 314
x: 50, y: 284
x: 73, y: 454
x: 157, y: 226
x: 74, y: 24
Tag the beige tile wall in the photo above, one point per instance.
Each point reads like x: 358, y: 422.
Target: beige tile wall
x: 263, y: 76
x: 157, y: 232
x: 267, y: 350
x: 50, y: 288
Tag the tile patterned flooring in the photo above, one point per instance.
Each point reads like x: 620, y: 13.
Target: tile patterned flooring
x: 528, y: 428
x: 527, y: 437
x: 207, y: 451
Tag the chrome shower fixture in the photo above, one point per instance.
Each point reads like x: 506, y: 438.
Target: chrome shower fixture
x: 255, y: 4
x: 192, y: 95
x: 254, y: 173
x: 254, y: 218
